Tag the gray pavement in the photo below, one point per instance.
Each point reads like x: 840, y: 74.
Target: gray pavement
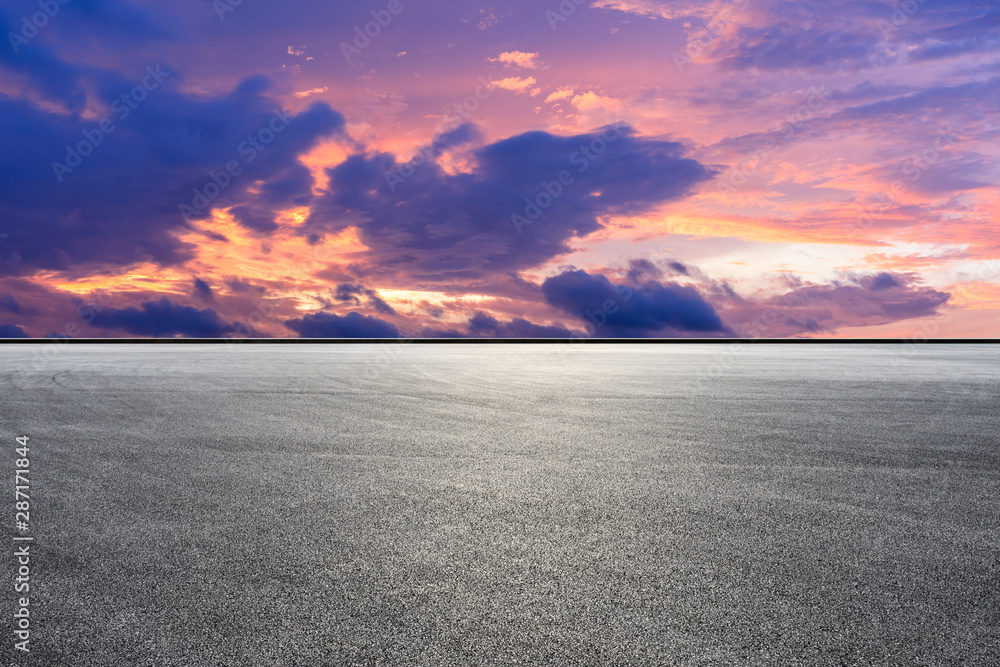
x: 509, y: 504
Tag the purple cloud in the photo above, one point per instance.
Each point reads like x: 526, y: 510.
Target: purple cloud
x: 619, y: 311
x: 352, y: 325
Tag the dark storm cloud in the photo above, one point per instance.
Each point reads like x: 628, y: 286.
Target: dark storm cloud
x: 881, y: 281
x: 352, y: 325
x: 434, y: 222
x: 133, y: 183
x: 94, y: 21
x: 352, y: 293
x: 46, y: 74
x: 163, y: 318
x: 483, y: 325
x: 203, y: 290
x: 254, y: 220
x: 641, y: 270
x: 118, y: 20
x: 12, y: 331
x: 9, y: 304
x: 649, y: 309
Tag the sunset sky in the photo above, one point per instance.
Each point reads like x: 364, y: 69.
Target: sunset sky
x: 436, y: 168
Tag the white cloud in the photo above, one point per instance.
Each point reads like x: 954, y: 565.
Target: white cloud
x: 312, y: 91
x: 591, y: 101
x: 658, y: 8
x: 561, y: 94
x: 517, y: 59
x: 519, y: 85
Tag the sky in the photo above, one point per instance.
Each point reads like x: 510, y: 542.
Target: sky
x: 521, y: 168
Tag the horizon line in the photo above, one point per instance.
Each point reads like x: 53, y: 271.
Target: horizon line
x: 495, y: 341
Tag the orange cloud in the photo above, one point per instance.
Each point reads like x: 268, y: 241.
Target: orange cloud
x: 517, y: 59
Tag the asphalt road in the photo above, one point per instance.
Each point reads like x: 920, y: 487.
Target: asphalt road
x: 508, y: 504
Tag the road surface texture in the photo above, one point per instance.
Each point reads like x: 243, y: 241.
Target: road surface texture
x: 508, y: 504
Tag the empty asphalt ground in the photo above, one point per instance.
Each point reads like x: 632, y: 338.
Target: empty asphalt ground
x: 508, y: 504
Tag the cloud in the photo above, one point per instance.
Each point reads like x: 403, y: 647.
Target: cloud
x: 591, y: 101
x: 657, y: 8
x: 641, y: 270
x: 352, y: 325
x: 131, y: 186
x: 561, y: 94
x: 10, y: 305
x: 163, y: 318
x: 438, y: 226
x: 484, y: 325
x: 868, y: 299
x: 312, y: 91
x: 349, y: 292
x: 517, y: 59
x: 622, y: 311
x: 518, y: 85
x: 977, y: 34
x: 45, y: 73
x: 93, y: 23
x: 12, y: 331
x: 786, y: 45
x: 203, y: 290
x: 487, y: 19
